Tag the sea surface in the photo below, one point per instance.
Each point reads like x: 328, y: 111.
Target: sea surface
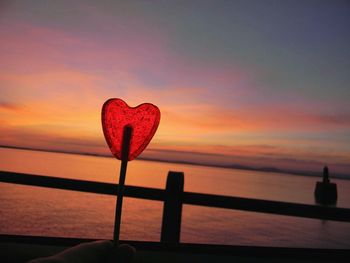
x: 48, y: 212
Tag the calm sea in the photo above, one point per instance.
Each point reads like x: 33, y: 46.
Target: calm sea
x: 40, y: 211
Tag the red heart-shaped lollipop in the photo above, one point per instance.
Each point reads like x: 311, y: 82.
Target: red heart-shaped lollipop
x: 143, y: 119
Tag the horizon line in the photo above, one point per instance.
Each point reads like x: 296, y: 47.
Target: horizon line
x: 268, y: 169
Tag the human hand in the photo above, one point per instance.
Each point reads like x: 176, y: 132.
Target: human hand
x: 91, y: 252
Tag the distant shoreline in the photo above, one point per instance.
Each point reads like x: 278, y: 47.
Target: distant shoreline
x: 233, y: 166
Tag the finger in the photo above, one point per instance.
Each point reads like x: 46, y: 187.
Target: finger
x: 90, y: 252
x: 124, y: 254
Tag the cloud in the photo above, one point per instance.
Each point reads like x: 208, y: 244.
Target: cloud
x: 9, y: 106
x: 30, y: 137
x: 339, y: 119
x: 214, y: 119
x: 285, y: 161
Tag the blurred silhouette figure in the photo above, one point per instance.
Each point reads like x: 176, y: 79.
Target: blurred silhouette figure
x: 92, y: 252
x: 325, y: 175
x: 325, y: 191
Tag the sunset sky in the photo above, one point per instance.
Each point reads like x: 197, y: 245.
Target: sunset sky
x: 258, y: 83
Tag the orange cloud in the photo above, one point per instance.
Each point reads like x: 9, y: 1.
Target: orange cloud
x: 7, y: 106
x: 213, y: 119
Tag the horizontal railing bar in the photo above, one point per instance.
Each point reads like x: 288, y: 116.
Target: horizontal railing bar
x: 218, y: 201
x: 81, y: 185
x: 267, y: 206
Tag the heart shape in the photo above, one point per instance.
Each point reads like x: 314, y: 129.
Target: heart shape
x: 144, y: 120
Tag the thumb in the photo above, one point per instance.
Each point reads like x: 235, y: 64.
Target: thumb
x: 90, y: 252
x: 122, y: 254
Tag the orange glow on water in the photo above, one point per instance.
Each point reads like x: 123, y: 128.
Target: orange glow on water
x: 34, y: 210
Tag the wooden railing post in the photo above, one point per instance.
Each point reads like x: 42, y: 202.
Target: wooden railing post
x: 172, y: 209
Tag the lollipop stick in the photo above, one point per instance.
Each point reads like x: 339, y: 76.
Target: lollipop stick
x: 125, y: 154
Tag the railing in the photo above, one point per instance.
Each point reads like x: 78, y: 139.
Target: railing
x: 174, y: 197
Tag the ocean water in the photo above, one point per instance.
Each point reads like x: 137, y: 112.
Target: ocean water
x: 48, y: 212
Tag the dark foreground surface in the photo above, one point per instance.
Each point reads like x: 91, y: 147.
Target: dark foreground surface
x: 23, y: 248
